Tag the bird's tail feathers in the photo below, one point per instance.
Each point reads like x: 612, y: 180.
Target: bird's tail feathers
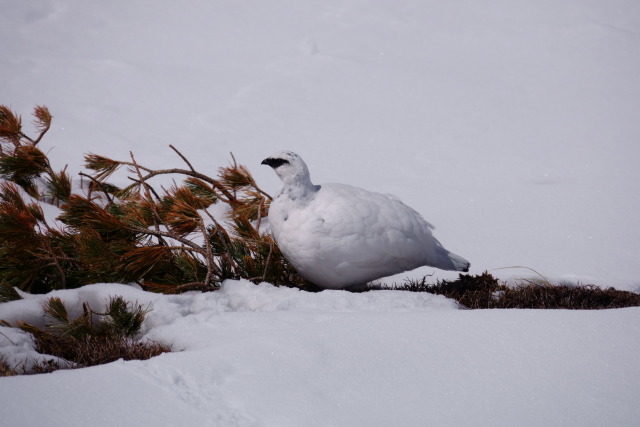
x: 459, y: 263
x: 450, y: 261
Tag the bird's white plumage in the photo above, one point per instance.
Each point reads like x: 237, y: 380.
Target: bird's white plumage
x: 338, y: 236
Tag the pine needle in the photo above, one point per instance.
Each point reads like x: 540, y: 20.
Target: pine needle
x: 8, y: 292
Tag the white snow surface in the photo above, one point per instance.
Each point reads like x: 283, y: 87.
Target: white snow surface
x: 510, y: 124
x: 340, y: 237
x: 265, y: 356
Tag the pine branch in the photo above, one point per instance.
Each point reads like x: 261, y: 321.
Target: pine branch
x: 229, y: 198
x: 8, y: 292
x: 103, y: 165
x: 141, y: 233
x: 58, y: 186
x: 10, y: 126
x: 42, y: 122
x: 237, y: 177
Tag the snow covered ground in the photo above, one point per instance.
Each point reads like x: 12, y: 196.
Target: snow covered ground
x: 265, y: 356
x: 510, y: 124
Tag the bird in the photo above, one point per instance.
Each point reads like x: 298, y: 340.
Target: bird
x: 338, y: 236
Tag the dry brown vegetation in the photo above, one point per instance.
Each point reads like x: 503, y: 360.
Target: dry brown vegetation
x: 5, y: 369
x: 91, y: 339
x: 485, y: 291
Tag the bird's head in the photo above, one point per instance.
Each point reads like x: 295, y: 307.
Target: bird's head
x: 290, y: 167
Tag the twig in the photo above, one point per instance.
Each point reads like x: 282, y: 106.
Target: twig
x: 183, y: 157
x: 266, y: 264
x: 223, y: 236
x: 60, y: 258
x: 25, y: 136
x: 216, y: 184
x: 121, y: 163
x: 8, y: 339
x: 191, y: 246
x: 209, y: 254
x: 156, y: 216
x: 55, y: 259
x: 544, y: 279
x: 264, y: 193
x: 100, y: 184
x: 260, y: 215
x: 145, y: 185
x: 191, y: 285
x: 44, y: 130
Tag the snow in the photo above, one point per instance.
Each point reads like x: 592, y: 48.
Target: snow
x: 510, y: 125
x: 265, y: 356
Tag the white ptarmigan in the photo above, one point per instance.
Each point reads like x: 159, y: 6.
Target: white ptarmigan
x: 338, y: 236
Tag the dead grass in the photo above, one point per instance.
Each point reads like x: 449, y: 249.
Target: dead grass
x: 485, y: 291
x: 85, y: 341
x: 5, y: 369
x: 93, y: 350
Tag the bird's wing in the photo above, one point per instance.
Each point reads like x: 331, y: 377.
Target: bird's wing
x: 375, y: 228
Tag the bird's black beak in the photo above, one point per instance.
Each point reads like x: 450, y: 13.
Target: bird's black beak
x: 274, y: 163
